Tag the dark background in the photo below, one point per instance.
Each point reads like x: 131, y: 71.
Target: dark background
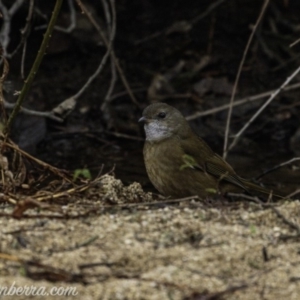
x: 148, y: 47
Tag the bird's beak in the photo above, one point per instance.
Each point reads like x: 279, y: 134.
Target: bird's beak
x: 142, y: 119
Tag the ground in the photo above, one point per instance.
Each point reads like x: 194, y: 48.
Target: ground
x: 154, y: 248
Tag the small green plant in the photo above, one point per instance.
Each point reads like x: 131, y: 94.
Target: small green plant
x: 211, y: 190
x: 253, y: 229
x: 22, y: 271
x: 85, y: 173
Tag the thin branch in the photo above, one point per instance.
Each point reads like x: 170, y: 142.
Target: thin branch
x: 68, y: 105
x: 296, y: 192
x: 123, y: 93
x: 45, y: 114
x: 167, y: 201
x: 210, y: 8
x: 277, y: 167
x: 111, y: 25
x: 28, y: 82
x: 23, y: 60
x: 108, y: 17
x: 239, y: 102
x: 2, y: 79
x: 286, y: 220
x: 238, y: 135
x: 108, y: 43
x: 294, y: 43
x: 14, y: 8
x: 243, y: 196
x: 105, y: 57
x: 5, y: 30
x: 124, y: 136
x: 45, y: 165
x: 24, y: 32
x: 73, y: 20
x: 93, y: 76
x: 225, y: 149
x: 7, y: 15
x: 188, y: 27
x: 113, y: 81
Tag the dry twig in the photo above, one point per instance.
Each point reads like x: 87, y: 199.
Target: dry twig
x: 240, y: 102
x: 225, y: 148
x: 35, y: 66
x: 277, y: 167
x: 271, y: 98
x: 7, y: 15
x: 108, y: 44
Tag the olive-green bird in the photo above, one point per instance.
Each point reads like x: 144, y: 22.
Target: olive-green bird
x: 180, y: 164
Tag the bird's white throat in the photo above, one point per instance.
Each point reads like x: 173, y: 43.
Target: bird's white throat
x: 156, y: 131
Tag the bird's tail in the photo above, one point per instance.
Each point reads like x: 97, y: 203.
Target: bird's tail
x: 254, y: 187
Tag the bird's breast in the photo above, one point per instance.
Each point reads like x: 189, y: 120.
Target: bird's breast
x: 161, y: 161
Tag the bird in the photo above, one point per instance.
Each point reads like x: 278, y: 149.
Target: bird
x: 180, y: 164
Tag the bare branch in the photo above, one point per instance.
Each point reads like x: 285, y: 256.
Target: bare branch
x: 91, y: 78
x: 225, y: 149
x: 108, y: 45
x: 2, y: 79
x: 111, y: 24
x: 239, y: 102
x: 104, y: 59
x: 278, y: 167
x: 185, y: 25
x: 7, y: 16
x: 14, y: 8
x: 272, y: 97
x: 35, y: 66
x: 46, y: 114
x: 113, y: 81
x: 5, y: 30
x: 294, y: 43
x: 73, y: 20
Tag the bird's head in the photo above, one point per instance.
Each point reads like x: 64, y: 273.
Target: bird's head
x: 162, y: 121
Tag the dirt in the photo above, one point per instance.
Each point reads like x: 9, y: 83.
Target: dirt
x: 152, y: 248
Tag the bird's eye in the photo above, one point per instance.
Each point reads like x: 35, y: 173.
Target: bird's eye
x: 162, y: 115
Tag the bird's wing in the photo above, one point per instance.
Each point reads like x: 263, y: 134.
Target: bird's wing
x: 208, y: 161
x: 218, y: 167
